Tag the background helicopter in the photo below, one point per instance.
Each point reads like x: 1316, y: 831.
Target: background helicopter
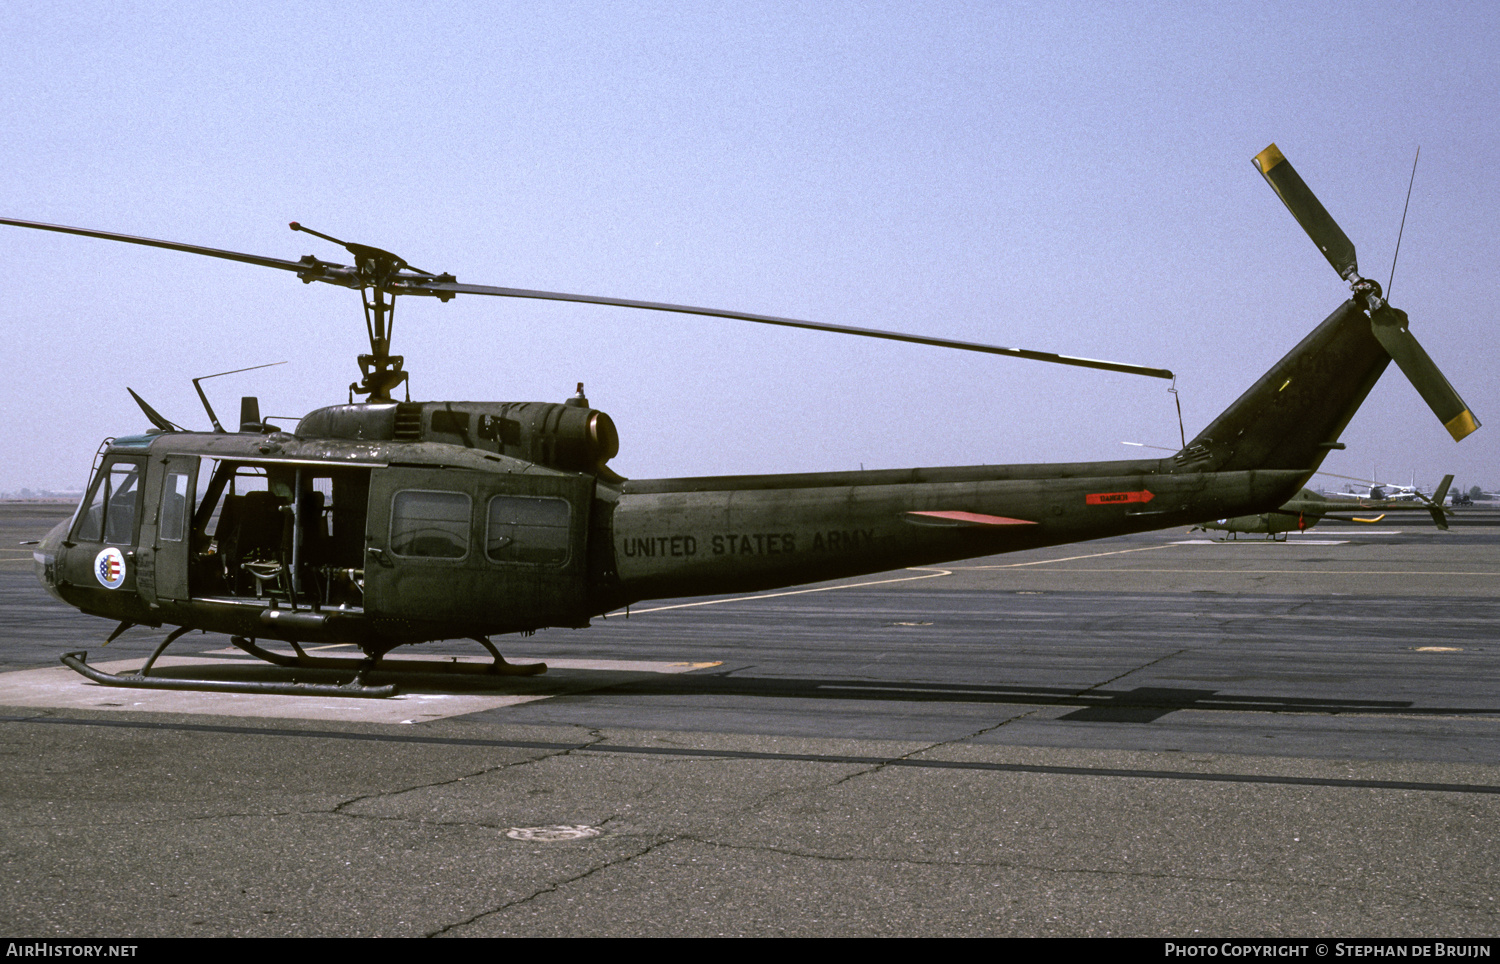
x: 384, y: 523
x: 1309, y: 508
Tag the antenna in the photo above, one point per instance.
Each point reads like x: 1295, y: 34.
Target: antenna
x: 199, y: 388
x: 1178, y: 399
x: 1402, y: 231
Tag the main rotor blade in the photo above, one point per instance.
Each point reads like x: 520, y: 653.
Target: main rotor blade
x: 1390, y: 328
x: 412, y: 282
x: 1309, y: 211
x: 459, y: 288
x: 170, y: 245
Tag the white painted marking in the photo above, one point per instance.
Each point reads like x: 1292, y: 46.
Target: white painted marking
x: 1434, y: 573
x: 930, y: 574
x: 1258, y: 542
x: 420, y: 700
x: 483, y: 659
x: 1045, y: 562
x: 1359, y: 532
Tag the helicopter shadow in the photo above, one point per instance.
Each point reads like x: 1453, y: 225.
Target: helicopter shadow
x: 1143, y: 704
x: 632, y: 678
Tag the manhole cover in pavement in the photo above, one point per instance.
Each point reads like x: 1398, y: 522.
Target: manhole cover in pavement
x: 576, y: 831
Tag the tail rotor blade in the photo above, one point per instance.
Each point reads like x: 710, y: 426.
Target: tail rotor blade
x: 1390, y: 328
x: 1309, y: 211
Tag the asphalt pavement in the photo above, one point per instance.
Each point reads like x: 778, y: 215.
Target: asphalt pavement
x: 1162, y: 735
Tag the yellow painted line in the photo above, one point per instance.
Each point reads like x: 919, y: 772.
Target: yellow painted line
x: 930, y: 574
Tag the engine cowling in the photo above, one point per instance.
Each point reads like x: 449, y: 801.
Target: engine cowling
x: 569, y: 437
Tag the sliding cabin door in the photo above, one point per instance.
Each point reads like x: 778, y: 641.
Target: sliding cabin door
x: 483, y: 553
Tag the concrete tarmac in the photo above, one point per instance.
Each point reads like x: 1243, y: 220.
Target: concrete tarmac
x: 1161, y: 735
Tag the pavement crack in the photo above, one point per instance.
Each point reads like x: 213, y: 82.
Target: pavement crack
x: 551, y: 888
x: 932, y: 746
x: 1135, y: 669
x: 339, y: 809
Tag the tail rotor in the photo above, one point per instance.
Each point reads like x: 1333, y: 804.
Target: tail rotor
x: 1389, y: 325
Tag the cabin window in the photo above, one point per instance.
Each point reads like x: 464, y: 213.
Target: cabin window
x: 113, y: 506
x: 528, y: 529
x: 430, y: 525
x: 174, y: 506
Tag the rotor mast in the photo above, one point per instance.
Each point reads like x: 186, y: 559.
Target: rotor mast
x: 375, y: 270
x: 382, y: 370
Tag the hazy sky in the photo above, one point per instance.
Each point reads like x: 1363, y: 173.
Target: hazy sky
x: 1062, y: 177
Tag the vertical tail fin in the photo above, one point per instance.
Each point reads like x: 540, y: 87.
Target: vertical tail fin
x: 1435, y: 504
x: 1293, y: 415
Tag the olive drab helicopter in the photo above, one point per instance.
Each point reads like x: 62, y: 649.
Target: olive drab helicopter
x: 1309, y: 508
x: 381, y: 523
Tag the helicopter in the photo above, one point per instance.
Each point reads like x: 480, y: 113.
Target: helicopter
x: 1310, y: 508
x: 382, y: 523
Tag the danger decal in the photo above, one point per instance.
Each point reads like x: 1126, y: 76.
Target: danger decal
x: 1112, y: 498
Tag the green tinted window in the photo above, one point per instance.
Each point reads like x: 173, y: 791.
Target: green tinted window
x: 431, y: 525
x: 174, y: 505
x: 528, y: 529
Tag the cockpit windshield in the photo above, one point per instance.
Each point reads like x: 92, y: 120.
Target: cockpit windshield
x: 113, y: 506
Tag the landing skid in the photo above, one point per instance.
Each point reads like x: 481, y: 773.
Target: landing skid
x: 139, y: 680
x: 356, y: 687
x: 302, y: 661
